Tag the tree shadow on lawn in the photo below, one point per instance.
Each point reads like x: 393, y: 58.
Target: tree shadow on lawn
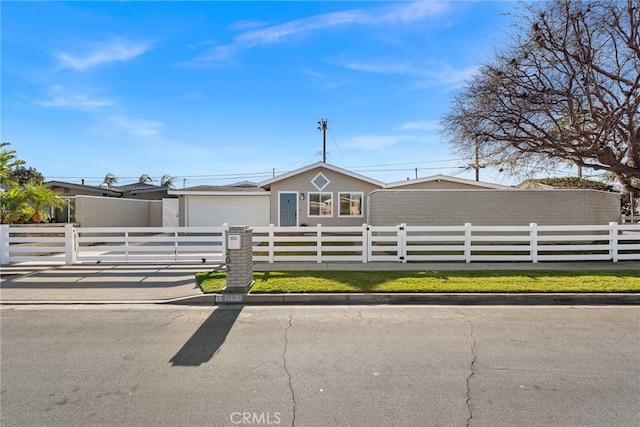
x: 338, y: 281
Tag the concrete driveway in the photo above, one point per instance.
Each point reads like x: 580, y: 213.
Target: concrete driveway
x: 100, y: 282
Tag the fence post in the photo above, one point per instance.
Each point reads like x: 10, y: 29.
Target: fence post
x: 365, y: 243
x: 69, y: 244
x: 225, y: 231
x: 467, y: 242
x: 533, y: 241
x: 613, y: 241
x: 4, y: 244
x: 402, y: 243
x: 319, y: 243
x: 369, y: 245
x: 176, y: 246
x: 271, y: 245
x: 126, y: 246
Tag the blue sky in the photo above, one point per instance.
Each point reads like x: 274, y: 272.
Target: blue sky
x: 217, y: 92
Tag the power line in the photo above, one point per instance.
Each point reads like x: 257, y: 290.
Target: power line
x: 383, y: 167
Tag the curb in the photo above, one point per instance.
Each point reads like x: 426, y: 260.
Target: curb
x: 372, y: 299
x: 422, y: 298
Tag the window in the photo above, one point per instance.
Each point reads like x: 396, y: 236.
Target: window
x: 320, y: 204
x: 320, y: 181
x: 351, y: 204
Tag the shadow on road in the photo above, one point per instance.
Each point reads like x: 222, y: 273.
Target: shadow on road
x: 207, y: 340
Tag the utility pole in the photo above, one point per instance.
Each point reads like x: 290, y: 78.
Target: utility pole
x: 477, y: 166
x: 322, y: 126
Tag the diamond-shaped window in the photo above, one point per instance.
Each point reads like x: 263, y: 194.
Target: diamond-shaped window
x: 320, y: 181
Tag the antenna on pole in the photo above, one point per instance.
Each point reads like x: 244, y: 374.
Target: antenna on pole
x: 322, y: 126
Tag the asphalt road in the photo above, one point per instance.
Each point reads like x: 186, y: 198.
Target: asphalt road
x: 320, y: 366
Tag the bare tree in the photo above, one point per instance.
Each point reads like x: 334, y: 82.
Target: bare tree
x: 566, y: 89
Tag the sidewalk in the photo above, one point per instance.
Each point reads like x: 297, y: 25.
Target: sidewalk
x: 175, y: 283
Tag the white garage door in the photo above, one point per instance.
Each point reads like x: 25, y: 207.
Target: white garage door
x: 213, y: 211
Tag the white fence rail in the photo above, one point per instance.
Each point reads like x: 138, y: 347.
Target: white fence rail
x: 466, y: 243
x: 149, y: 244
x: 71, y: 244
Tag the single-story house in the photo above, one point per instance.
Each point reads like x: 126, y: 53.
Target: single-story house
x: 325, y: 194
x: 319, y: 193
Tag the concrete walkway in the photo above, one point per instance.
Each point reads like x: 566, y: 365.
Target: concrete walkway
x: 175, y: 283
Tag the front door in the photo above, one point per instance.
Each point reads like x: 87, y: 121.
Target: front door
x: 288, y: 209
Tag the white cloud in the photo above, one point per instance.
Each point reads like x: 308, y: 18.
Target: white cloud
x: 448, y: 77
x: 115, y: 50
x: 422, y: 125
x: 429, y: 74
x: 75, y: 101
x: 374, y: 142
x: 384, y: 67
x: 397, y: 13
x: 61, y: 97
x: 134, y: 127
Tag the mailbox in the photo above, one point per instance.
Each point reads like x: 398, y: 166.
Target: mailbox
x: 233, y: 241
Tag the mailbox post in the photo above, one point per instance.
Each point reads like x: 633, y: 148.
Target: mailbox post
x: 239, y: 259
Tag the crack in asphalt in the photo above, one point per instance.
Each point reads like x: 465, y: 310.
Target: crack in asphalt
x: 471, y: 373
x: 286, y: 369
x: 172, y: 320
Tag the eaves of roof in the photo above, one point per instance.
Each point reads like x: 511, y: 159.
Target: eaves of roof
x: 479, y: 184
x: 88, y: 188
x: 325, y: 166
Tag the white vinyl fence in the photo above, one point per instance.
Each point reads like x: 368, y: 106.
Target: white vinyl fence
x: 70, y: 245
x: 466, y: 243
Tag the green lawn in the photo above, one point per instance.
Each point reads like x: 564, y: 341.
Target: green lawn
x: 432, y: 281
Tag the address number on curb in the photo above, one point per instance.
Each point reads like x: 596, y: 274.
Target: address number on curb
x: 229, y: 298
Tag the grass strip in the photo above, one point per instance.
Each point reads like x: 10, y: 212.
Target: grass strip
x: 339, y: 281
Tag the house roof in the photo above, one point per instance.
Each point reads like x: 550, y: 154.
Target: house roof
x: 243, y: 184
x: 89, y: 188
x: 114, y: 190
x: 456, y: 180
x: 138, y: 187
x: 220, y: 190
x: 533, y: 185
x: 324, y: 165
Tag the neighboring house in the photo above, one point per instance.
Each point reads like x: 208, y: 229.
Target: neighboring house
x: 443, y: 182
x: 130, y: 205
x: 129, y: 191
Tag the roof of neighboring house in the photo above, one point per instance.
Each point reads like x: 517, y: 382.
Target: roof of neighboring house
x: 533, y: 185
x: 219, y: 189
x: 244, y: 184
x: 138, y: 187
x: 324, y: 165
x: 114, y: 190
x: 88, y: 188
x: 456, y: 180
